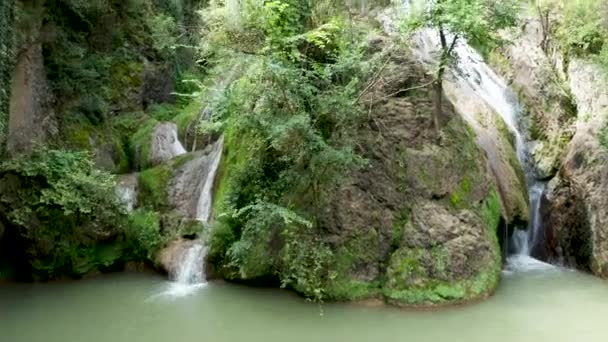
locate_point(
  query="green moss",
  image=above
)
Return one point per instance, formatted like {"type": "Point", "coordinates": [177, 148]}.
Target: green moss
{"type": "Point", "coordinates": [187, 117]}
{"type": "Point", "coordinates": [399, 225]}
{"type": "Point", "coordinates": [79, 137]}
{"type": "Point", "coordinates": [491, 211]}
{"type": "Point", "coordinates": [153, 186]}
{"type": "Point", "coordinates": [420, 291]}
{"type": "Point", "coordinates": [141, 143]}
{"type": "Point", "coordinates": [357, 251]}
{"type": "Point", "coordinates": [460, 195]}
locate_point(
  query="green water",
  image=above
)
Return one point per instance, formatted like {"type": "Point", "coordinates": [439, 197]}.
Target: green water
{"type": "Point", "coordinates": [533, 306]}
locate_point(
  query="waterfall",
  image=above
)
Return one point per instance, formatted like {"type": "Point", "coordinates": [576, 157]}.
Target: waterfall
{"type": "Point", "coordinates": [205, 201]}
{"type": "Point", "coordinates": [190, 271]}
{"type": "Point", "coordinates": [191, 268]}
{"type": "Point", "coordinates": [473, 75]}
{"type": "Point", "coordinates": [126, 191]}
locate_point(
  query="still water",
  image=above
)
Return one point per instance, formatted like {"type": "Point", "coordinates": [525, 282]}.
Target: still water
{"type": "Point", "coordinates": [539, 305]}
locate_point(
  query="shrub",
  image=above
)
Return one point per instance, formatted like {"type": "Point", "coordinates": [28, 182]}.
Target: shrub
{"type": "Point", "coordinates": [62, 206]}
{"type": "Point", "coordinates": [143, 234]}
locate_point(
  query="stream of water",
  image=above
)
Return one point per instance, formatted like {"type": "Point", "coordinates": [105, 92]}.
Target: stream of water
{"type": "Point", "coordinates": [190, 273]}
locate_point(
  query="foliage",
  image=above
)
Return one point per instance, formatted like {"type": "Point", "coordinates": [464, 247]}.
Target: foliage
{"type": "Point", "coordinates": [290, 120]}
{"type": "Point", "coordinates": [104, 55]}
{"type": "Point", "coordinates": [59, 202]}
{"type": "Point", "coordinates": [583, 29]}
{"type": "Point", "coordinates": [476, 21]}
{"type": "Point", "coordinates": [143, 234]}
{"type": "Point", "coordinates": [7, 9]}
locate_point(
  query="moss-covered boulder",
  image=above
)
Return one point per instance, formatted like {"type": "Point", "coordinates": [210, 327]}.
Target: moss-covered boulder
{"type": "Point", "coordinates": [416, 227]}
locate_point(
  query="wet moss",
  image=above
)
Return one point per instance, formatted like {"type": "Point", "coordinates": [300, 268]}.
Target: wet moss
{"type": "Point", "coordinates": [153, 187]}
{"type": "Point", "coordinates": [359, 251]}
{"type": "Point", "coordinates": [140, 144]}
{"type": "Point", "coordinates": [459, 197]}
{"type": "Point", "coordinates": [407, 285]}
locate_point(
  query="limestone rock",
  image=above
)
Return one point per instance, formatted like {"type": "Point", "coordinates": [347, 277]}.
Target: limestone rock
{"type": "Point", "coordinates": [165, 144]}
{"type": "Point", "coordinates": [127, 189]}
{"type": "Point", "coordinates": [538, 76]}
{"type": "Point", "coordinates": [577, 217]}
{"type": "Point", "coordinates": [31, 117]}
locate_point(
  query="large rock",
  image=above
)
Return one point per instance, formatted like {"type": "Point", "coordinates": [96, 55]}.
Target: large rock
{"type": "Point", "coordinates": [155, 143]}
{"type": "Point", "coordinates": [418, 226]}
{"type": "Point", "coordinates": [31, 117]}
{"type": "Point", "coordinates": [190, 190]}
{"type": "Point", "coordinates": [424, 215]}
{"type": "Point", "coordinates": [165, 144]}
{"type": "Point", "coordinates": [577, 213]}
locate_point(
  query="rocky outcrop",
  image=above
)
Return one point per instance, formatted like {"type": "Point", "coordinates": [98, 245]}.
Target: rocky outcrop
{"type": "Point", "coordinates": [577, 213]}
{"type": "Point", "coordinates": [423, 216]}
{"type": "Point", "coordinates": [155, 143]}
{"type": "Point", "coordinates": [165, 144]}
{"type": "Point", "coordinates": [535, 69]}
{"type": "Point", "coordinates": [31, 117]}
{"type": "Point", "coordinates": [478, 97]}
{"type": "Point", "coordinates": [417, 226]}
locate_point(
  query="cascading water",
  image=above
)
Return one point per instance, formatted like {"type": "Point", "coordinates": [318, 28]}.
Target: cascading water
{"type": "Point", "coordinates": [474, 75]}
{"type": "Point", "coordinates": [190, 271]}
{"type": "Point", "coordinates": [203, 211]}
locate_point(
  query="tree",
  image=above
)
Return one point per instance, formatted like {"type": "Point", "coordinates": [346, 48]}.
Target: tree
{"type": "Point", "coordinates": [474, 21]}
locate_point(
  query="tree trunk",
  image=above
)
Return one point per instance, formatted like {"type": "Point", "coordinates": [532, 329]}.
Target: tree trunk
{"type": "Point", "coordinates": [437, 103]}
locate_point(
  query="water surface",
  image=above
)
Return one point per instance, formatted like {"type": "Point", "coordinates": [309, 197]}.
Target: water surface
{"type": "Point", "coordinates": [551, 305]}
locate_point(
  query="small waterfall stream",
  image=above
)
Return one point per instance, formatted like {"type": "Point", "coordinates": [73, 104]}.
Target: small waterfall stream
{"type": "Point", "coordinates": [190, 270]}
{"type": "Point", "coordinates": [473, 75]}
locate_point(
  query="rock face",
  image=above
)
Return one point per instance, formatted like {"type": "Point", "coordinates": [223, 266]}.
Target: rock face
{"type": "Point", "coordinates": [577, 212]}
{"type": "Point", "coordinates": [127, 189]}
{"type": "Point", "coordinates": [165, 144]}
{"type": "Point", "coordinates": [477, 96]}
{"type": "Point", "coordinates": [418, 226]}
{"type": "Point", "coordinates": [424, 215]}
{"type": "Point", "coordinates": [31, 117]}
{"type": "Point", "coordinates": [169, 258]}
{"type": "Point", "coordinates": [193, 181]}
{"type": "Point", "coordinates": [538, 76]}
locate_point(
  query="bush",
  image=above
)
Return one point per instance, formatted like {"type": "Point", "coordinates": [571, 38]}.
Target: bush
{"type": "Point", "coordinates": [143, 234]}
{"type": "Point", "coordinates": [289, 123]}
{"type": "Point", "coordinates": [583, 31]}
{"type": "Point", "coordinates": [62, 206]}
